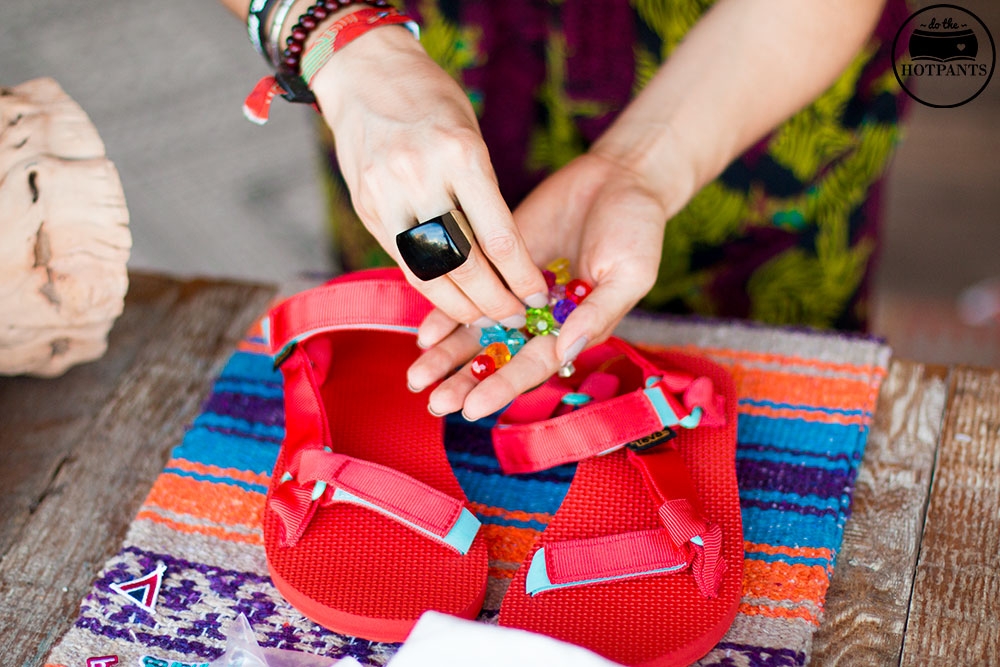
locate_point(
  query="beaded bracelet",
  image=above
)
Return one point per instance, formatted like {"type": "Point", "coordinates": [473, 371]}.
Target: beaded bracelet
{"type": "Point", "coordinates": [501, 343]}
{"type": "Point", "coordinates": [289, 81]}
{"type": "Point", "coordinates": [313, 16]}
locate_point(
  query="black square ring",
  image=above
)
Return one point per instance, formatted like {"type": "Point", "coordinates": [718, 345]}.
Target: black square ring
{"type": "Point", "coordinates": [436, 246]}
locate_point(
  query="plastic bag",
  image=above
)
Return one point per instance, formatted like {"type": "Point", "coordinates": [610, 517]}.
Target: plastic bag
{"type": "Point", "coordinates": [242, 650]}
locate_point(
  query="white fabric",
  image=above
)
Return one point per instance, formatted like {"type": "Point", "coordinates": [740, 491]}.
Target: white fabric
{"type": "Point", "coordinates": [440, 640]}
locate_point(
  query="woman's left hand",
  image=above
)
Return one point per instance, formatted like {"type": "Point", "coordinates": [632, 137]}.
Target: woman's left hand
{"type": "Point", "coordinates": [606, 219]}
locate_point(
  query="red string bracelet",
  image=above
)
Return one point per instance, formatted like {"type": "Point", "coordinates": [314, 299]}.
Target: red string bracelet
{"type": "Point", "coordinates": [287, 81]}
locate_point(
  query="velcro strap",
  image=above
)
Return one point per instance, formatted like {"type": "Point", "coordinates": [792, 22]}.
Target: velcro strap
{"type": "Point", "coordinates": [604, 559]}
{"type": "Point", "coordinates": [670, 486]}
{"type": "Point", "coordinates": [398, 494]}
{"type": "Point", "coordinates": [378, 299]}
{"type": "Point", "coordinates": [526, 439]}
{"type": "Point", "coordinates": [318, 477]}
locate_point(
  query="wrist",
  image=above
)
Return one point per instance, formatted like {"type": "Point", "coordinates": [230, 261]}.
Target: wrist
{"type": "Point", "coordinates": [391, 49]}
{"type": "Point", "coordinates": [653, 154]}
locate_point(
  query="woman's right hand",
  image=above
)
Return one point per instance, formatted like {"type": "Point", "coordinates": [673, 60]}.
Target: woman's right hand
{"type": "Point", "coordinates": [410, 149]}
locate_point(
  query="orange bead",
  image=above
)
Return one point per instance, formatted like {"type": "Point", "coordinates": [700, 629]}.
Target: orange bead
{"type": "Point", "coordinates": [498, 352]}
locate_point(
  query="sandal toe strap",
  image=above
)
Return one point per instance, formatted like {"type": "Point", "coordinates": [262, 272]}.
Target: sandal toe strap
{"type": "Point", "coordinates": [319, 478]}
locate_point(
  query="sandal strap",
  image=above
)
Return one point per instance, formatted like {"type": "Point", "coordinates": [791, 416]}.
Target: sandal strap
{"type": "Point", "coordinates": [527, 440]}
{"type": "Point", "coordinates": [318, 477]}
{"type": "Point", "coordinates": [375, 300]}
{"type": "Point", "coordinates": [670, 487]}
{"type": "Point", "coordinates": [315, 475]}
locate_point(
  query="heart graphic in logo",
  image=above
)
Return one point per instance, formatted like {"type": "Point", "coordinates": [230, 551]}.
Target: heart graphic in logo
{"type": "Point", "coordinates": [960, 47]}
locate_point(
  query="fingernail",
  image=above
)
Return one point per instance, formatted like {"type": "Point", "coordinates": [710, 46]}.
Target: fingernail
{"type": "Point", "coordinates": [412, 388]}
{"type": "Point", "coordinates": [467, 417]}
{"type": "Point", "coordinates": [537, 300]}
{"type": "Point", "coordinates": [431, 410]}
{"type": "Point", "coordinates": [575, 349]}
{"type": "Point", "coordinates": [484, 323]}
{"type": "Point", "coordinates": [422, 345]}
{"type": "Point", "coordinates": [514, 321]}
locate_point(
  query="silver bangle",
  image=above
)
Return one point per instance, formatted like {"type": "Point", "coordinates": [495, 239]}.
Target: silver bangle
{"type": "Point", "coordinates": [277, 24]}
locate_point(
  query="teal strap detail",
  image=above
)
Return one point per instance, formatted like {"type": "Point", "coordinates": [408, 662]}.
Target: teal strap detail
{"type": "Point", "coordinates": [693, 419]}
{"type": "Point", "coordinates": [537, 581]}
{"type": "Point", "coordinates": [660, 405]}
{"type": "Point", "coordinates": [459, 538]}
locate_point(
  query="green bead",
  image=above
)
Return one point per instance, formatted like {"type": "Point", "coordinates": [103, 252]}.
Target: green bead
{"type": "Point", "coordinates": [540, 321]}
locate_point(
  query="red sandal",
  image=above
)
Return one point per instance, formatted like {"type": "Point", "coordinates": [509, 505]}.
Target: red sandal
{"type": "Point", "coordinates": [365, 526]}
{"type": "Point", "coordinates": [643, 561]}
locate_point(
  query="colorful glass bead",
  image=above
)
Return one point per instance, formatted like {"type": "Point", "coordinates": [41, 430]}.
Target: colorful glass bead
{"type": "Point", "coordinates": [577, 290]}
{"type": "Point", "coordinates": [556, 293]}
{"type": "Point", "coordinates": [560, 267]}
{"type": "Point", "coordinates": [561, 310]}
{"type": "Point", "coordinates": [498, 352]}
{"type": "Point", "coordinates": [550, 278]}
{"type": "Point", "coordinates": [494, 334]}
{"type": "Point", "coordinates": [483, 366]}
{"type": "Point", "coordinates": [515, 341]}
{"type": "Point", "coordinates": [540, 321]}
{"type": "Point", "coordinates": [576, 399]}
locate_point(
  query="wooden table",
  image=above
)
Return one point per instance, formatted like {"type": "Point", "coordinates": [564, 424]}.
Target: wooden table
{"type": "Point", "coordinates": [917, 580]}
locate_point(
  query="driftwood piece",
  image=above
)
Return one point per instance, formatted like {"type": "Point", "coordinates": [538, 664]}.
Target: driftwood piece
{"type": "Point", "coordinates": [64, 237]}
{"type": "Point", "coordinates": [79, 453]}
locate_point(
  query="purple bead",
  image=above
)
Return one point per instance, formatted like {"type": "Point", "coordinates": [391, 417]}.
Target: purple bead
{"type": "Point", "coordinates": [562, 309]}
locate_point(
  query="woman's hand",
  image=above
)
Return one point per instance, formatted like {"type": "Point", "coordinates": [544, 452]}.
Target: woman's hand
{"type": "Point", "coordinates": [606, 219]}
{"type": "Point", "coordinates": [410, 149]}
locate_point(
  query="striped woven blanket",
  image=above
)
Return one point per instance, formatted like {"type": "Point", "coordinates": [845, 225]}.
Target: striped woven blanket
{"type": "Point", "coordinates": [805, 406]}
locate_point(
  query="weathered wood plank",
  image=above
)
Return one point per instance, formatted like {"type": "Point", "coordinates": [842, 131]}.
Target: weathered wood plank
{"type": "Point", "coordinates": [41, 419]}
{"type": "Point", "coordinates": [868, 600]}
{"type": "Point", "coordinates": [955, 612]}
{"type": "Point", "coordinates": [82, 517]}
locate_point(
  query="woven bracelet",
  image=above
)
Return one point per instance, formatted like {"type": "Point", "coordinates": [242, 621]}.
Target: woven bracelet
{"type": "Point", "coordinates": [293, 86]}
{"type": "Point", "coordinates": [256, 20]}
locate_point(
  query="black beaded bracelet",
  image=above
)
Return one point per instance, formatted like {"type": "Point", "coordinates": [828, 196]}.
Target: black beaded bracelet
{"type": "Point", "coordinates": [291, 57]}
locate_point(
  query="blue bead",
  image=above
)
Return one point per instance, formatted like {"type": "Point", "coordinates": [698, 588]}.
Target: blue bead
{"type": "Point", "coordinates": [515, 340]}
{"type": "Point", "coordinates": [494, 334]}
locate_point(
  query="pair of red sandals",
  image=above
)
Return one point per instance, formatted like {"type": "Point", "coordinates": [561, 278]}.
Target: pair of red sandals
{"type": "Point", "coordinates": [366, 526]}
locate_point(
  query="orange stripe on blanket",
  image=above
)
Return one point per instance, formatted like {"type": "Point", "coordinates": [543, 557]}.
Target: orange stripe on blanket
{"type": "Point", "coordinates": [783, 387]}
{"type": "Point", "coordinates": [253, 347]}
{"type": "Point", "coordinates": [508, 543]}
{"type": "Point", "coordinates": [217, 503]}
{"type": "Point", "coordinates": [772, 358]}
{"type": "Point", "coordinates": [804, 415]}
{"type": "Point", "coordinates": [212, 531]}
{"type": "Point", "coordinates": [785, 581]}
{"type": "Point", "coordinates": [794, 552]}
{"type": "Point", "coordinates": [516, 515]}
{"type": "Point", "coordinates": [779, 612]}
{"type": "Point", "coordinates": [216, 471]}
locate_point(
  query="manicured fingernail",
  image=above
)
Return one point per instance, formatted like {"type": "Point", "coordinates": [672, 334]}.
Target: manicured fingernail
{"type": "Point", "coordinates": [514, 321]}
{"type": "Point", "coordinates": [484, 323]}
{"type": "Point", "coordinates": [467, 417]}
{"type": "Point", "coordinates": [575, 349]}
{"type": "Point", "coordinates": [431, 410]}
{"type": "Point", "coordinates": [422, 345]}
{"type": "Point", "coordinates": [537, 300]}
{"type": "Point", "coordinates": [412, 388]}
